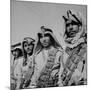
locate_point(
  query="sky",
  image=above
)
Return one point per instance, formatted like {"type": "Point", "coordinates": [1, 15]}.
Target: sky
{"type": "Point", "coordinates": [27, 17]}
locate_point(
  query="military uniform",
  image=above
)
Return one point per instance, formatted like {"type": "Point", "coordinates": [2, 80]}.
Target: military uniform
{"type": "Point", "coordinates": [46, 78]}
{"type": "Point", "coordinates": [75, 59]}
{"type": "Point", "coordinates": [74, 72]}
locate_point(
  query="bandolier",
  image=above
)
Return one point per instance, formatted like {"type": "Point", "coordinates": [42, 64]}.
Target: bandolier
{"type": "Point", "coordinates": [76, 56]}
{"type": "Point", "coordinates": [45, 79]}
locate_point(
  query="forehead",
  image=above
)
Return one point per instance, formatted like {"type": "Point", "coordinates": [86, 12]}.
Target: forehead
{"type": "Point", "coordinates": [71, 22]}
{"type": "Point", "coordinates": [14, 51]}
{"type": "Point", "coordinates": [68, 22]}
{"type": "Point", "coordinates": [27, 43]}
{"type": "Point", "coordinates": [44, 35]}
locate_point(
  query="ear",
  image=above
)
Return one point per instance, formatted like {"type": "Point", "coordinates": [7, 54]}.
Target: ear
{"type": "Point", "coordinates": [65, 19]}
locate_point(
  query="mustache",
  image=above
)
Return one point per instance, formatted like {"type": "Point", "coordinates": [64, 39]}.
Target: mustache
{"type": "Point", "coordinates": [72, 32]}
{"type": "Point", "coordinates": [44, 43]}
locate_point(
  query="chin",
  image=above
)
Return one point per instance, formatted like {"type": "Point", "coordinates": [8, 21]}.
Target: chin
{"type": "Point", "coordinates": [29, 52]}
{"type": "Point", "coordinates": [45, 45]}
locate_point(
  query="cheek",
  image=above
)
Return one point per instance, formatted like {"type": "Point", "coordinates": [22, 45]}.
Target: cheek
{"type": "Point", "coordinates": [31, 47]}
{"type": "Point", "coordinates": [41, 40]}
{"type": "Point", "coordinates": [68, 29]}
{"type": "Point", "coordinates": [75, 27]}
{"type": "Point", "coordinates": [14, 53]}
{"type": "Point", "coordinates": [48, 40]}
{"type": "Point", "coordinates": [25, 48]}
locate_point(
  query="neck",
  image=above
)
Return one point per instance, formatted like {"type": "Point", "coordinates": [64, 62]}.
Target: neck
{"type": "Point", "coordinates": [28, 55]}
{"type": "Point", "coordinates": [47, 48]}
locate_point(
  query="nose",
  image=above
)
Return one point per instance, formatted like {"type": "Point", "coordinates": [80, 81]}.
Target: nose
{"type": "Point", "coordinates": [44, 40]}
{"type": "Point", "coordinates": [28, 47]}
{"type": "Point", "coordinates": [70, 27]}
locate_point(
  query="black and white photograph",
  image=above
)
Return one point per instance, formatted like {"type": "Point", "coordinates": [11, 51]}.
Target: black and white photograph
{"type": "Point", "coordinates": [48, 45]}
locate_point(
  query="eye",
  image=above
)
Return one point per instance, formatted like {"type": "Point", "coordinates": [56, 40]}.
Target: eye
{"type": "Point", "coordinates": [40, 35]}
{"type": "Point", "coordinates": [74, 23]}
{"type": "Point", "coordinates": [25, 45]}
{"type": "Point", "coordinates": [30, 45]}
{"type": "Point", "coordinates": [67, 24]}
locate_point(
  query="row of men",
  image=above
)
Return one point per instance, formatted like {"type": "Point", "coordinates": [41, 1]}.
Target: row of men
{"type": "Point", "coordinates": [40, 63]}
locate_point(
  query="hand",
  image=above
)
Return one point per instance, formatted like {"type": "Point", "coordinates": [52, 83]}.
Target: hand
{"type": "Point", "coordinates": [54, 72]}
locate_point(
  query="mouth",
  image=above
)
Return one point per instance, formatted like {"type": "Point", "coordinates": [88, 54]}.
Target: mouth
{"type": "Point", "coordinates": [45, 44]}
{"type": "Point", "coordinates": [72, 33]}
{"type": "Point", "coordinates": [29, 50]}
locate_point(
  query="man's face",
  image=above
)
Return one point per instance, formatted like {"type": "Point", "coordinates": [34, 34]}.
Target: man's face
{"type": "Point", "coordinates": [15, 53]}
{"type": "Point", "coordinates": [45, 40]}
{"type": "Point", "coordinates": [28, 47]}
{"type": "Point", "coordinates": [72, 28]}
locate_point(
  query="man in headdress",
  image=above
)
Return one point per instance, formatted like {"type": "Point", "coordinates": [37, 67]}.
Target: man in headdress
{"type": "Point", "coordinates": [16, 64]}
{"type": "Point", "coordinates": [75, 37]}
{"type": "Point", "coordinates": [48, 58]}
{"type": "Point", "coordinates": [16, 50]}
{"type": "Point", "coordinates": [28, 45]}
{"type": "Point", "coordinates": [24, 66]}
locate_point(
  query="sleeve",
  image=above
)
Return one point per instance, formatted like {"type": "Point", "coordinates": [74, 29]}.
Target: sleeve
{"type": "Point", "coordinates": [58, 63]}
{"type": "Point", "coordinates": [36, 72]}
